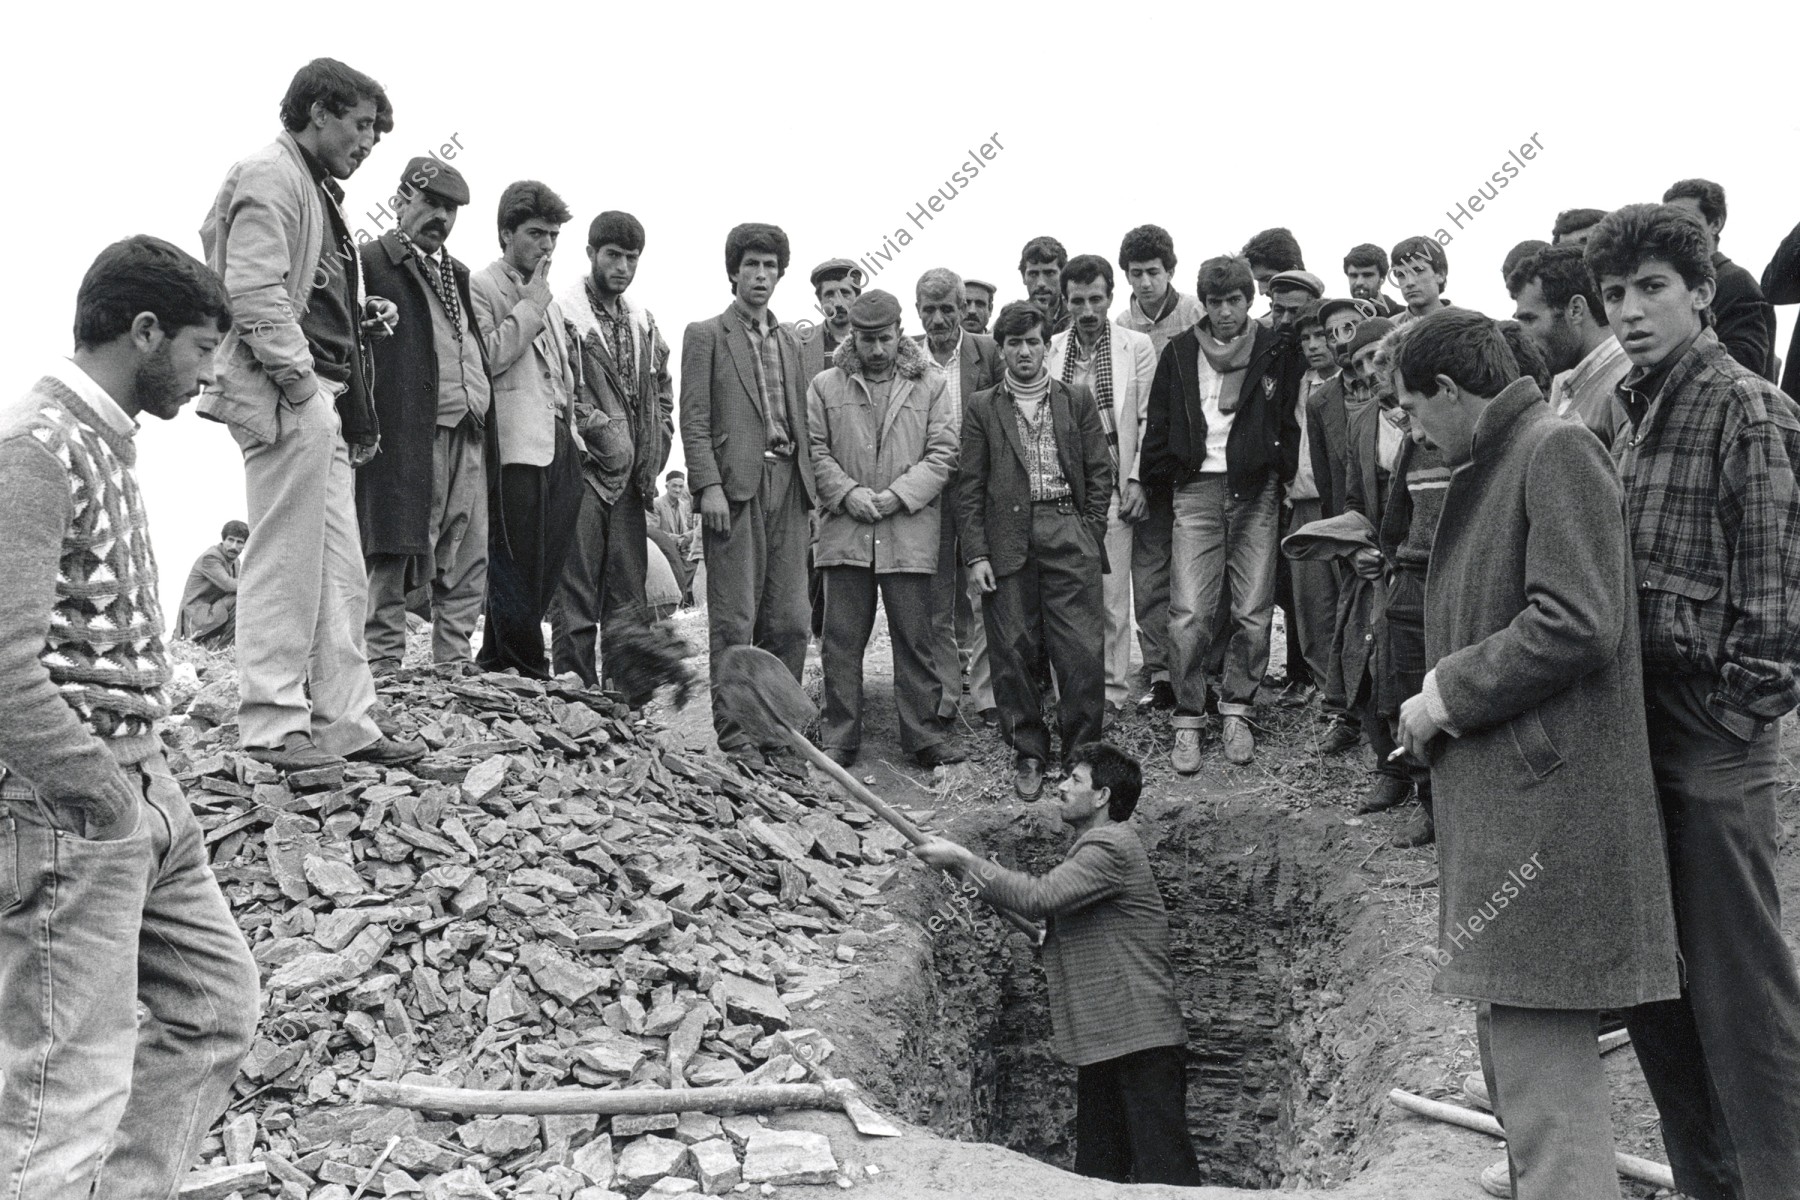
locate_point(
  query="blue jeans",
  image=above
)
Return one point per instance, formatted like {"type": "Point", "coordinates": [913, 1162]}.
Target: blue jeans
{"type": "Point", "coordinates": [89, 930]}
{"type": "Point", "coordinates": [1216, 534]}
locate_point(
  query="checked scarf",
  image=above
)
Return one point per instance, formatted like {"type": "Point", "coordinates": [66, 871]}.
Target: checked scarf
{"type": "Point", "coordinates": [442, 281]}
{"type": "Point", "coordinates": [1103, 386]}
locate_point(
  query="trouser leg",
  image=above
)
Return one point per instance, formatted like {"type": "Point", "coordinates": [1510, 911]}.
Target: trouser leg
{"type": "Point", "coordinates": [1551, 1096]}
{"type": "Point", "coordinates": [972, 636]}
{"type": "Point", "coordinates": [1315, 587]}
{"type": "Point", "coordinates": [1072, 609]}
{"type": "Point", "coordinates": [1116, 597]}
{"type": "Point", "coordinates": [1723, 1060]}
{"type": "Point", "coordinates": [384, 625]}
{"type": "Point", "coordinates": [623, 579]}
{"type": "Point", "coordinates": [460, 532]}
{"type": "Point", "coordinates": [1406, 642]}
{"type": "Point", "coordinates": [1250, 557]}
{"type": "Point", "coordinates": [1153, 1091]}
{"type": "Point", "coordinates": [575, 612]}
{"type": "Point", "coordinates": [911, 632]}
{"type": "Point", "coordinates": [1197, 572]}
{"type": "Point", "coordinates": [946, 655]}
{"type": "Point", "coordinates": [1151, 546]}
{"type": "Point", "coordinates": [849, 619]}
{"type": "Point", "coordinates": [1102, 1139]}
{"type": "Point", "coordinates": [783, 613]}
{"type": "Point", "coordinates": [1015, 636]}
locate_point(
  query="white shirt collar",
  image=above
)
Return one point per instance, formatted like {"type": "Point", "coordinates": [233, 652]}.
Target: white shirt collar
{"type": "Point", "coordinates": [954, 363]}
{"type": "Point", "coordinates": [93, 395]}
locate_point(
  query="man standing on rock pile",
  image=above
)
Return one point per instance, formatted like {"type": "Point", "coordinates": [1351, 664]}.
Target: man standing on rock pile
{"type": "Point", "coordinates": [1112, 989]}
{"type": "Point", "coordinates": [108, 903]}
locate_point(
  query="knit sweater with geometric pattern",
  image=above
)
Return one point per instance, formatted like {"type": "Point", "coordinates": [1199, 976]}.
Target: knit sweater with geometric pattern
{"type": "Point", "coordinates": [83, 666]}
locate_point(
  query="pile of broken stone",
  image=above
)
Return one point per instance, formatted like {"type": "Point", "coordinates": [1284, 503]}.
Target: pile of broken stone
{"type": "Point", "coordinates": [549, 899]}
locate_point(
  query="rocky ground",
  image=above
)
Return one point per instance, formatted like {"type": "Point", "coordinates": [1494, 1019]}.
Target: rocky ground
{"type": "Point", "coordinates": [561, 895]}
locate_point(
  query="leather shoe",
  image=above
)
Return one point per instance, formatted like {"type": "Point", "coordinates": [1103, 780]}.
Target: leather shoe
{"type": "Point", "coordinates": [386, 752]}
{"type": "Point", "coordinates": [296, 753]}
{"type": "Point", "coordinates": [1389, 791]}
{"type": "Point", "coordinates": [1339, 738]}
{"type": "Point", "coordinates": [1028, 778]}
{"type": "Point", "coordinates": [940, 754]}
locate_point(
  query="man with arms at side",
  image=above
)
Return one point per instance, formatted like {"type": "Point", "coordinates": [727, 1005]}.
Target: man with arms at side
{"type": "Point", "coordinates": [966, 363]}
{"type": "Point", "coordinates": [110, 907]}
{"type": "Point", "coordinates": [208, 615]}
{"type": "Point", "coordinates": [1116, 366]}
{"type": "Point", "coordinates": [1532, 720]}
{"type": "Point", "coordinates": [1036, 484]}
{"type": "Point", "coordinates": [1160, 312]}
{"type": "Point", "coordinates": [883, 444]}
{"type": "Point", "coordinates": [293, 388]}
{"type": "Point", "coordinates": [1558, 306]}
{"type": "Point", "coordinates": [749, 459]}
{"type": "Point", "coordinates": [1744, 321]}
{"type": "Point", "coordinates": [624, 403]}
{"type": "Point", "coordinates": [1040, 270]}
{"type": "Point", "coordinates": [536, 493]}
{"type": "Point", "coordinates": [1113, 1005]}
{"type": "Point", "coordinates": [1712, 508]}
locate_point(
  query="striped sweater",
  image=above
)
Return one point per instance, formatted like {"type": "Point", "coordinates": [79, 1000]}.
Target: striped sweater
{"type": "Point", "coordinates": [83, 666]}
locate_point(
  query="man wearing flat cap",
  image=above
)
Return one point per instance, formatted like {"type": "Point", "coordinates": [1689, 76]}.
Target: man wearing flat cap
{"type": "Point", "coordinates": [836, 284]}
{"type": "Point", "coordinates": [422, 503]}
{"type": "Point", "coordinates": [884, 442]}
{"type": "Point", "coordinates": [978, 305]}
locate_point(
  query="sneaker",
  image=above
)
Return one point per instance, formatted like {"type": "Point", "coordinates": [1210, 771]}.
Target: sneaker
{"type": "Point", "coordinates": [1496, 1180]}
{"type": "Point", "coordinates": [1475, 1088]}
{"type": "Point", "coordinates": [940, 754]}
{"type": "Point", "coordinates": [1160, 697]}
{"type": "Point", "coordinates": [1296, 694]}
{"type": "Point", "coordinates": [386, 752]}
{"type": "Point", "coordinates": [1028, 777]}
{"type": "Point", "coordinates": [1240, 743]}
{"type": "Point", "coordinates": [1339, 738]}
{"type": "Point", "coordinates": [990, 717]}
{"type": "Point", "coordinates": [296, 753]}
{"type": "Point", "coordinates": [1420, 831]}
{"type": "Point", "coordinates": [1389, 791]}
{"type": "Point", "coordinates": [1185, 757]}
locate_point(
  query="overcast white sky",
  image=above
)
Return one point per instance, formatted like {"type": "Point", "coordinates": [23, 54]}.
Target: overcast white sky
{"type": "Point", "coordinates": [1346, 122]}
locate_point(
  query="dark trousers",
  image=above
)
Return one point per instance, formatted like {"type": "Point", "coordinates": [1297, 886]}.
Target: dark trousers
{"type": "Point", "coordinates": [1406, 655]}
{"type": "Point", "coordinates": [756, 581]}
{"type": "Point", "coordinates": [1131, 1119]}
{"type": "Point", "coordinates": [1543, 1073]}
{"type": "Point", "coordinates": [1051, 603]}
{"type": "Point", "coordinates": [1152, 541]}
{"type": "Point", "coordinates": [602, 588]}
{"type": "Point", "coordinates": [849, 619]}
{"type": "Point", "coordinates": [1723, 1060]}
{"type": "Point", "coordinates": [532, 514]}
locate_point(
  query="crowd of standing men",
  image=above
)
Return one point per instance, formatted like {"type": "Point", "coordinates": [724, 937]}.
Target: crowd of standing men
{"type": "Point", "coordinates": [1545, 566]}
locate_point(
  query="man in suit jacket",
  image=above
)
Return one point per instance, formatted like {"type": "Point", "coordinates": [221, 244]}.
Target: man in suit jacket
{"type": "Point", "coordinates": [292, 389]}
{"type": "Point", "coordinates": [1037, 480]}
{"type": "Point", "coordinates": [422, 504]}
{"type": "Point", "coordinates": [537, 470]}
{"type": "Point", "coordinates": [624, 401]}
{"type": "Point", "coordinates": [1116, 365]}
{"type": "Point", "coordinates": [744, 432]}
{"type": "Point", "coordinates": [967, 363]}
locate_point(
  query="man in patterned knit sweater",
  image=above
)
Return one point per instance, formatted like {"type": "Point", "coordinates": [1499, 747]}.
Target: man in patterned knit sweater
{"type": "Point", "coordinates": [107, 901]}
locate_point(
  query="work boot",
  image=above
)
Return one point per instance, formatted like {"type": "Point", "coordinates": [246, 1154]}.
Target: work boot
{"type": "Point", "coordinates": [1496, 1179]}
{"type": "Point", "coordinates": [384, 720]}
{"type": "Point", "coordinates": [1185, 757]}
{"type": "Point", "coordinates": [296, 753]}
{"type": "Point", "coordinates": [1420, 831]}
{"type": "Point", "coordinates": [1239, 742]}
{"type": "Point", "coordinates": [386, 752]}
{"type": "Point", "coordinates": [1028, 777]}
{"type": "Point", "coordinates": [1389, 791]}
{"type": "Point", "coordinates": [1339, 738]}
{"type": "Point", "coordinates": [1475, 1088]}
{"type": "Point", "coordinates": [1160, 697]}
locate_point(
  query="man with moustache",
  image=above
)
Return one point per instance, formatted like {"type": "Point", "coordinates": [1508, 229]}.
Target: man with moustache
{"type": "Point", "coordinates": [1036, 485]}
{"type": "Point", "coordinates": [423, 503]}
{"type": "Point", "coordinates": [536, 471]}
{"type": "Point", "coordinates": [1558, 306]}
{"type": "Point", "coordinates": [836, 284]}
{"type": "Point", "coordinates": [293, 388]}
{"type": "Point", "coordinates": [1365, 270]}
{"type": "Point", "coordinates": [966, 363]}
{"type": "Point", "coordinates": [749, 460]}
{"type": "Point", "coordinates": [978, 295]}
{"type": "Point", "coordinates": [624, 407]}
{"type": "Point", "coordinates": [884, 442]}
{"type": "Point", "coordinates": [128, 996]}
{"type": "Point", "coordinates": [1040, 270]}
{"type": "Point", "coordinates": [208, 615]}
{"type": "Point", "coordinates": [1116, 366]}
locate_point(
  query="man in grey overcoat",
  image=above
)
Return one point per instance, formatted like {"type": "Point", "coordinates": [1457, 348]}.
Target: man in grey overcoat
{"type": "Point", "coordinates": [1555, 886]}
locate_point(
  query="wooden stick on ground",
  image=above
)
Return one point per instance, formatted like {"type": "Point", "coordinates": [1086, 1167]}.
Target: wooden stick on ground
{"type": "Point", "coordinates": [1630, 1165]}
{"type": "Point", "coordinates": [636, 1101]}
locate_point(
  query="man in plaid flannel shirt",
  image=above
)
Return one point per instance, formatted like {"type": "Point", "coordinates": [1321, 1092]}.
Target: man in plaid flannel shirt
{"type": "Point", "coordinates": [1714, 511]}
{"type": "Point", "coordinates": [1113, 1006]}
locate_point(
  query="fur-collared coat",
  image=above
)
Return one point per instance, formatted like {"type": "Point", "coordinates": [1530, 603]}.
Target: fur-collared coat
{"type": "Point", "coordinates": [910, 449]}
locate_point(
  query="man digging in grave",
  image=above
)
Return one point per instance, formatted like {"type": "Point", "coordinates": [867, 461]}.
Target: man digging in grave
{"type": "Point", "coordinates": [1112, 988]}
